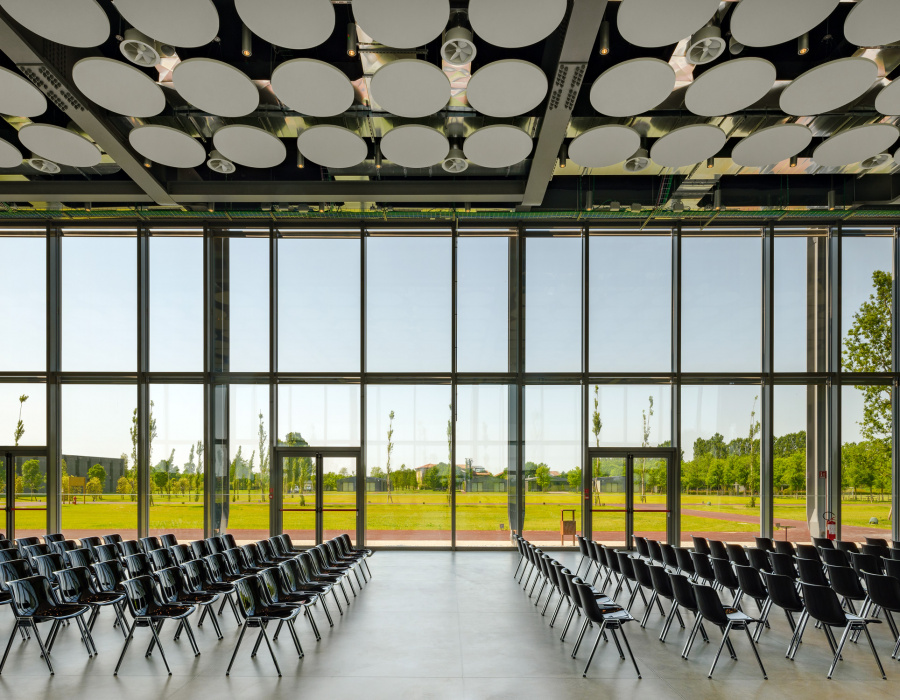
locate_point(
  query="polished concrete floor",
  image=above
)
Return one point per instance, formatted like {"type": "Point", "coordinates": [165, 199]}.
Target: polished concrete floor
{"type": "Point", "coordinates": [442, 625]}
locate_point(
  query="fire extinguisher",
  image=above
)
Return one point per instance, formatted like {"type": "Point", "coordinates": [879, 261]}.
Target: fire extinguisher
{"type": "Point", "coordinates": [830, 526]}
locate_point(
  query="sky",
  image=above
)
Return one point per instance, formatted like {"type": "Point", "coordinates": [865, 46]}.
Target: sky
{"type": "Point", "coordinates": [409, 330]}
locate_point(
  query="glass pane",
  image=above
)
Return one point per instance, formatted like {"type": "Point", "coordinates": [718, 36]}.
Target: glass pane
{"type": "Point", "coordinates": [865, 462]}
{"type": "Point", "coordinates": [552, 471]}
{"type": "Point", "coordinates": [248, 468]}
{"type": "Point", "coordinates": [23, 414]}
{"type": "Point", "coordinates": [866, 281]}
{"type": "Point", "coordinates": [609, 491]}
{"type": "Point", "coordinates": [553, 304]}
{"type": "Point", "coordinates": [318, 304]}
{"type": "Point", "coordinates": [176, 461]}
{"type": "Point", "coordinates": [482, 306]}
{"type": "Point", "coordinates": [630, 415]}
{"type": "Point", "coordinates": [31, 496]}
{"type": "Point", "coordinates": [319, 414]}
{"type": "Point", "coordinates": [99, 449]}
{"type": "Point", "coordinates": [23, 304]}
{"type": "Point", "coordinates": [176, 304]}
{"type": "Point", "coordinates": [630, 303]}
{"type": "Point", "coordinates": [482, 446]}
{"type": "Point", "coordinates": [407, 457]}
{"type": "Point", "coordinates": [650, 481]}
{"type": "Point", "coordinates": [800, 303]}
{"type": "Point", "coordinates": [720, 463]}
{"type": "Point", "coordinates": [99, 304]}
{"type": "Point", "coordinates": [339, 497]}
{"type": "Point", "coordinates": [409, 304]}
{"type": "Point", "coordinates": [721, 305]}
{"type": "Point", "coordinates": [299, 499]}
{"type": "Point", "coordinates": [248, 304]}
{"type": "Point", "coordinates": [795, 506]}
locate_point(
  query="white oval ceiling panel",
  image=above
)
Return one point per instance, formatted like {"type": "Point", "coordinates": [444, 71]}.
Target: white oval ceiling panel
{"type": "Point", "coordinates": [687, 145]}
{"type": "Point", "coordinates": [415, 146]}
{"type": "Point", "coordinates": [855, 145]}
{"type": "Point", "coordinates": [873, 23]}
{"type": "Point", "coordinates": [163, 144]}
{"type": "Point", "coordinates": [10, 156]}
{"type": "Point", "coordinates": [730, 87]}
{"type": "Point", "coordinates": [507, 88]}
{"type": "Point", "coordinates": [497, 146]}
{"type": "Point", "coordinates": [332, 146]}
{"type": "Point", "coordinates": [59, 145]}
{"type": "Point", "coordinates": [515, 23]}
{"type": "Point", "coordinates": [410, 88]}
{"type": "Point", "coordinates": [187, 23]}
{"type": "Point", "coordinates": [604, 145]}
{"type": "Point", "coordinates": [293, 24]}
{"type": "Point", "coordinates": [18, 97]}
{"type": "Point", "coordinates": [632, 87]}
{"type": "Point", "coordinates": [313, 87]}
{"type": "Point", "coordinates": [772, 22]}
{"type": "Point", "coordinates": [651, 23]}
{"type": "Point", "coordinates": [118, 87]}
{"type": "Point", "coordinates": [888, 100]}
{"type": "Point", "coordinates": [829, 86]}
{"type": "Point", "coordinates": [250, 146]}
{"type": "Point", "coordinates": [80, 23]}
{"type": "Point", "coordinates": [403, 24]}
{"type": "Point", "coordinates": [771, 145]}
{"type": "Point", "coordinates": [215, 87]}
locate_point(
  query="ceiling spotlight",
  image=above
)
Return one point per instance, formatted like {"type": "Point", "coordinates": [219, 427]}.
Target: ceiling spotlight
{"type": "Point", "coordinates": [563, 155]}
{"type": "Point", "coordinates": [87, 206]}
{"type": "Point", "coordinates": [321, 207]}
{"type": "Point", "coordinates": [832, 197]}
{"type": "Point", "coordinates": [614, 206]}
{"type": "Point", "coordinates": [636, 206]}
{"type": "Point", "coordinates": [377, 156]}
{"type": "Point", "coordinates": [717, 200]}
{"type": "Point", "coordinates": [589, 200]}
{"type": "Point", "coordinates": [734, 46]}
{"type": "Point", "coordinates": [710, 162]}
{"type": "Point", "coordinates": [793, 162]}
{"type": "Point", "coordinates": [468, 207]}
{"type": "Point", "coordinates": [301, 161]}
{"type": "Point", "coordinates": [803, 44]}
{"type": "Point", "coordinates": [148, 163]}
{"type": "Point", "coordinates": [352, 40]}
{"type": "Point", "coordinates": [246, 41]}
{"type": "Point", "coordinates": [604, 38]}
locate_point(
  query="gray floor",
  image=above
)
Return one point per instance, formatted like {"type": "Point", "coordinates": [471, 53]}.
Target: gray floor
{"type": "Point", "coordinates": [443, 625]}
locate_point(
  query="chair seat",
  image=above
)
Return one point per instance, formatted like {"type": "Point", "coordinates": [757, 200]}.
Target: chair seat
{"type": "Point", "coordinates": [297, 599]}
{"type": "Point", "coordinates": [739, 616]}
{"type": "Point", "coordinates": [61, 612]}
{"type": "Point", "coordinates": [102, 598]}
{"type": "Point", "coordinates": [198, 598]}
{"type": "Point", "coordinates": [278, 612]}
{"type": "Point", "coordinates": [217, 588]}
{"type": "Point", "coordinates": [169, 612]}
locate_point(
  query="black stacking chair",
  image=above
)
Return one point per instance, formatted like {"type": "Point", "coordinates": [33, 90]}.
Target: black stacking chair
{"type": "Point", "coordinates": [10, 554]}
{"type": "Point", "coordinates": [875, 550]}
{"type": "Point", "coordinates": [172, 590]}
{"type": "Point", "coordinates": [229, 541]}
{"type": "Point", "coordinates": [823, 606]}
{"type": "Point", "coordinates": [892, 567]}
{"type": "Point", "coordinates": [128, 548]}
{"type": "Point", "coordinates": [237, 560]}
{"type": "Point", "coordinates": [90, 543]}
{"type": "Point", "coordinates": [346, 546]}
{"type": "Point", "coordinates": [822, 543]}
{"type": "Point", "coordinates": [811, 571]}
{"type": "Point", "coordinates": [783, 565]}
{"type": "Point", "coordinates": [276, 593]}
{"type": "Point", "coordinates": [845, 582]}
{"type": "Point", "coordinates": [884, 592]}
{"type": "Point", "coordinates": [669, 557]}
{"type": "Point", "coordinates": [585, 554]}
{"type": "Point", "coordinates": [752, 586]}
{"type": "Point", "coordinates": [640, 546]}
{"type": "Point", "coordinates": [106, 552]}
{"type": "Point", "coordinates": [701, 546]}
{"type": "Point", "coordinates": [613, 620]}
{"type": "Point", "coordinates": [23, 542]}
{"type": "Point", "coordinates": [79, 557]}
{"type": "Point", "coordinates": [683, 589]}
{"type": "Point", "coordinates": [255, 558]}
{"type": "Point", "coordinates": [168, 541]}
{"type": "Point", "coordinates": [555, 568]}
{"type": "Point", "coordinates": [703, 570]}
{"type": "Point", "coordinates": [344, 571]}
{"type": "Point", "coordinates": [627, 568]}
{"type": "Point", "coordinates": [835, 557]}
{"type": "Point", "coordinates": [149, 544]}
{"type": "Point", "coordinates": [685, 562]}
{"type": "Point", "coordinates": [112, 539]}
{"type": "Point", "coordinates": [62, 546]}
{"type": "Point", "coordinates": [47, 565]}
{"type": "Point", "coordinates": [783, 593]}
{"type": "Point", "coordinates": [110, 575]}
{"type": "Point", "coordinates": [717, 549]}
{"type": "Point", "coordinates": [644, 580]}
{"type": "Point", "coordinates": [14, 569]}
{"type": "Point", "coordinates": [785, 547]}
{"type": "Point", "coordinates": [569, 580]}
{"type": "Point", "coordinates": [268, 552]}
{"type": "Point", "coordinates": [726, 619]}
{"type": "Point", "coordinates": [142, 596]}
{"type": "Point", "coordinates": [765, 543]}
{"type": "Point", "coordinates": [182, 553]}
{"type": "Point", "coordinates": [138, 565]}
{"type": "Point", "coordinates": [866, 563]}
{"type": "Point", "coordinates": [312, 575]}
{"type": "Point", "coordinates": [807, 551]}
{"type": "Point", "coordinates": [161, 559]}
{"type": "Point", "coordinates": [847, 546]}
{"type": "Point", "coordinates": [327, 562]}
{"type": "Point", "coordinates": [258, 614]}
{"type": "Point", "coordinates": [35, 550]}
{"type": "Point", "coordinates": [598, 556]}
{"type": "Point", "coordinates": [54, 537]}
{"type": "Point", "coordinates": [725, 578]}
{"type": "Point", "coordinates": [544, 564]}
{"type": "Point", "coordinates": [216, 544]}
{"type": "Point", "coordinates": [75, 586]}
{"type": "Point", "coordinates": [32, 604]}
{"type": "Point", "coordinates": [296, 582]}
{"type": "Point", "coordinates": [877, 541]}
{"type": "Point", "coordinates": [198, 580]}
{"type": "Point", "coordinates": [220, 569]}
{"type": "Point", "coordinates": [737, 555]}
{"type": "Point", "coordinates": [662, 588]}
{"type": "Point", "coordinates": [759, 559]}
{"type": "Point", "coordinates": [200, 549]}
{"type": "Point", "coordinates": [612, 561]}
{"type": "Point", "coordinates": [655, 551]}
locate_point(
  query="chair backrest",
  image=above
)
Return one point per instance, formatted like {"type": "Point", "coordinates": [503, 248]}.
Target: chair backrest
{"type": "Point", "coordinates": [106, 552]}
{"type": "Point", "coordinates": [195, 574]}
{"type": "Point", "coordinates": [892, 567]}
{"type": "Point", "coordinates": [737, 555]}
{"type": "Point", "coordinates": [128, 548]}
{"type": "Point", "coordinates": [48, 564]}
{"type": "Point", "coordinates": [750, 582]}
{"type": "Point", "coordinates": [63, 546]}
{"type": "Point", "coordinates": [724, 573]}
{"type": "Point", "coordinates": [588, 601]}
{"type": "Point", "coordinates": [90, 542]}
{"type": "Point", "coordinates": [237, 560]}
{"type": "Point", "coordinates": [171, 584]}
{"type": "Point", "coordinates": [161, 559]}
{"type": "Point", "coordinates": [73, 583]}
{"type": "Point", "coordinates": [669, 558]}
{"type": "Point", "coordinates": [685, 563]}
{"type": "Point", "coordinates": [709, 604]}
{"type": "Point", "coordinates": [290, 572]}
{"type": "Point", "coordinates": [701, 546]}
{"type": "Point", "coordinates": [702, 567]}
{"type": "Point", "coordinates": [272, 585]}
{"type": "Point", "coordinates": [865, 563]}
{"type": "Point", "coordinates": [229, 541]}
{"type": "Point", "coordinates": [54, 537]}
{"type": "Point", "coordinates": [80, 557]}
{"type": "Point", "coordinates": [138, 565]}
{"type": "Point", "coordinates": [218, 567]}
{"type": "Point", "coordinates": [642, 573]}
{"type": "Point", "coordinates": [625, 564]}
{"type": "Point", "coordinates": [823, 605]}
{"type": "Point", "coordinates": [759, 559]}
{"type": "Point", "coordinates": [182, 553]}
{"type": "Point", "coordinates": [783, 565]}
{"type": "Point", "coordinates": [168, 540]}
{"type": "Point", "coordinates": [250, 596]}
{"type": "Point", "coordinates": [878, 541]}
{"type": "Point", "coordinates": [288, 546]}
{"type": "Point", "coordinates": [583, 548]}
{"type": "Point", "coordinates": [281, 549]}
{"type": "Point", "coordinates": [13, 570]}
{"type": "Point", "coordinates": [612, 561]}
{"type": "Point", "coordinates": [266, 550]}
{"type": "Point", "coordinates": [835, 557]}
{"type": "Point", "coordinates": [141, 594]}
{"type": "Point", "coordinates": [110, 575]}
{"type": "Point", "coordinates": [31, 596]}
{"type": "Point", "coordinates": [149, 544]}
{"type": "Point", "coordinates": [884, 591]}
{"type": "Point", "coordinates": [783, 592]}
{"type": "Point", "coordinates": [765, 543]}
{"type": "Point", "coordinates": [811, 571]}
{"type": "Point", "coordinates": [845, 582]}
{"type": "Point", "coordinates": [216, 544]}
{"type": "Point", "coordinates": [36, 550]}
{"type": "Point", "coordinates": [11, 553]}
{"type": "Point", "coordinates": [683, 592]}
{"type": "Point", "coordinates": [876, 550]}
{"type": "Point", "coordinates": [655, 550]}
{"type": "Point", "coordinates": [822, 543]}
{"type": "Point", "coordinates": [22, 542]}
{"type": "Point", "coordinates": [251, 552]}
{"type": "Point", "coordinates": [717, 549]}
{"type": "Point", "coordinates": [200, 549]}
{"type": "Point", "coordinates": [114, 538]}
{"type": "Point", "coordinates": [785, 547]}
{"type": "Point", "coordinates": [808, 551]}
{"type": "Point", "coordinates": [847, 546]}
{"type": "Point", "coordinates": [661, 583]}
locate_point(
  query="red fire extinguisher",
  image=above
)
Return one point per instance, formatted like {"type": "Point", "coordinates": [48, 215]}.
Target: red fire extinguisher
{"type": "Point", "coordinates": [830, 526]}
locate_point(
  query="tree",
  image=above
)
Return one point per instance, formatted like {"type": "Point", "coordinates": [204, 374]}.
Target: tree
{"type": "Point", "coordinates": [20, 426]}
{"type": "Point", "coordinates": [263, 459]}
{"type": "Point", "coordinates": [32, 478]}
{"type": "Point", "coordinates": [596, 423]}
{"type": "Point", "coordinates": [542, 477]}
{"type": "Point", "coordinates": [132, 473]}
{"type": "Point", "coordinates": [451, 470]}
{"type": "Point", "coordinates": [390, 448]}
{"type": "Point", "coordinates": [378, 473]}
{"type": "Point", "coordinates": [573, 476]}
{"type": "Point", "coordinates": [123, 486]}
{"type": "Point", "coordinates": [200, 469]}
{"type": "Point", "coordinates": [160, 480]}
{"type": "Point", "coordinates": [753, 448]}
{"type": "Point", "coordinates": [98, 472]}
{"type": "Point", "coordinates": [645, 442]}
{"type": "Point", "coordinates": [94, 487]}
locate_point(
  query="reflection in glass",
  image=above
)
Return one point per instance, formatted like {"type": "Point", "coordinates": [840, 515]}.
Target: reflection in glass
{"type": "Point", "coordinates": [299, 497]}
{"type": "Point", "coordinates": [23, 304]}
{"type": "Point", "coordinates": [338, 497]}
{"type": "Point", "coordinates": [321, 415]}
{"type": "Point", "coordinates": [482, 306]}
{"type": "Point", "coordinates": [866, 281]}
{"type": "Point", "coordinates": [176, 304]}
{"type": "Point", "coordinates": [23, 414]}
{"type": "Point", "coordinates": [794, 504]}
{"type": "Point", "coordinates": [248, 304]}
{"type": "Point", "coordinates": [247, 488]}
{"type": "Point", "coordinates": [630, 415]}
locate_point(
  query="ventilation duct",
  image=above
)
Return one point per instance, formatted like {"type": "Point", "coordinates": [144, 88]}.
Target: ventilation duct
{"type": "Point", "coordinates": [143, 51]}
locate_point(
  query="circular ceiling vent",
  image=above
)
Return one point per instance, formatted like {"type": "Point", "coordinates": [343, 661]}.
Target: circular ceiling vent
{"type": "Point", "coordinates": [639, 161]}
{"type": "Point", "coordinates": [143, 51]}
{"type": "Point", "coordinates": [220, 164]}
{"type": "Point", "coordinates": [455, 162]}
{"type": "Point", "coordinates": [705, 45]}
{"type": "Point", "coordinates": [42, 165]}
{"type": "Point", "coordinates": [875, 161]}
{"type": "Point", "coordinates": [457, 46]}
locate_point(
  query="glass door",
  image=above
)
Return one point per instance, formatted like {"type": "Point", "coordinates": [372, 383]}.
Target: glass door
{"type": "Point", "coordinates": [320, 494]}
{"type": "Point", "coordinates": [24, 491]}
{"type": "Point", "coordinates": [630, 495]}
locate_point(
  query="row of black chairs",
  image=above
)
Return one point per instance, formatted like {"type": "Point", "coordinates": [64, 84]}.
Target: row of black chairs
{"type": "Point", "coordinates": [159, 579]}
